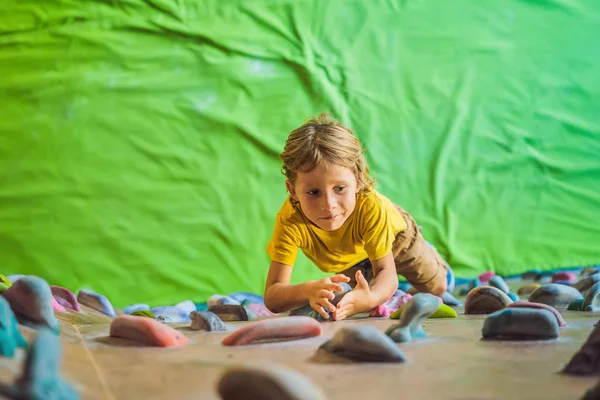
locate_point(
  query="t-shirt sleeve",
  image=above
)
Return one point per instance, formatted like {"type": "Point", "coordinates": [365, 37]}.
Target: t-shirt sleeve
{"type": "Point", "coordinates": [377, 230]}
{"type": "Point", "coordinates": [285, 242]}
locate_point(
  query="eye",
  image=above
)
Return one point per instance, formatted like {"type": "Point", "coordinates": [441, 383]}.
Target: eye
{"type": "Point", "coordinates": [312, 192]}
{"type": "Point", "coordinates": [340, 189]}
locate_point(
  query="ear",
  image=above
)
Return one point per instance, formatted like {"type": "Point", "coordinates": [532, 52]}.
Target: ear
{"type": "Point", "coordinates": [291, 189]}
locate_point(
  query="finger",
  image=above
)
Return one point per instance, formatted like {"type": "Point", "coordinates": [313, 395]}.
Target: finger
{"type": "Point", "coordinates": [340, 278]}
{"type": "Point", "coordinates": [334, 287]}
{"type": "Point", "coordinates": [361, 281]}
{"type": "Point", "coordinates": [327, 305]}
{"type": "Point", "coordinates": [321, 311]}
{"type": "Point", "coordinates": [341, 314]}
{"type": "Point", "coordinates": [326, 294]}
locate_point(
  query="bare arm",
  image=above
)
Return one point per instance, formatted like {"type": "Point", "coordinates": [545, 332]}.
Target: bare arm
{"type": "Point", "coordinates": [280, 296]}
{"type": "Point", "coordinates": [386, 279]}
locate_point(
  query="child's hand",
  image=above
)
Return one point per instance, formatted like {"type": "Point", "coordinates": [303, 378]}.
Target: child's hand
{"type": "Point", "coordinates": [360, 299]}
{"type": "Point", "coordinates": [322, 291]}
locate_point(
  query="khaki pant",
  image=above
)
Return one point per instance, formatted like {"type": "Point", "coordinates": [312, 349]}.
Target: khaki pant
{"type": "Point", "coordinates": [415, 259]}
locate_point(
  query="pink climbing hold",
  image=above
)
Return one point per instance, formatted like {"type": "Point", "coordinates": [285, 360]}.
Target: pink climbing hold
{"type": "Point", "coordinates": [56, 306]}
{"type": "Point", "coordinates": [526, 304]}
{"type": "Point", "coordinates": [388, 308]}
{"type": "Point", "coordinates": [564, 277]}
{"type": "Point", "coordinates": [146, 330]}
{"type": "Point", "coordinates": [293, 327]}
{"type": "Point", "coordinates": [65, 298]}
{"type": "Point", "coordinates": [486, 276]}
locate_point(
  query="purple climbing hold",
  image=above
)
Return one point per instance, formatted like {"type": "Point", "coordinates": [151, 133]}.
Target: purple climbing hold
{"type": "Point", "coordinates": [31, 300]}
{"type": "Point", "coordinates": [65, 298]}
{"type": "Point", "coordinates": [96, 301]}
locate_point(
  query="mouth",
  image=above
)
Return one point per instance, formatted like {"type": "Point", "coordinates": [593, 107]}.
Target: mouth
{"type": "Point", "coordinates": [330, 218]}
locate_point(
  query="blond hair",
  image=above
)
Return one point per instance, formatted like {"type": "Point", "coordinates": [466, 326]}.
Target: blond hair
{"type": "Point", "coordinates": [324, 139]}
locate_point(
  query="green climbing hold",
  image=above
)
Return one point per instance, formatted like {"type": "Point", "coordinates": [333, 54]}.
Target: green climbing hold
{"type": "Point", "coordinates": [443, 311]}
{"type": "Point", "coordinates": [4, 283]}
{"type": "Point", "coordinates": [143, 313]}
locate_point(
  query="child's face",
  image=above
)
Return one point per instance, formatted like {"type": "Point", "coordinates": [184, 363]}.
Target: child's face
{"type": "Point", "coordinates": [327, 195]}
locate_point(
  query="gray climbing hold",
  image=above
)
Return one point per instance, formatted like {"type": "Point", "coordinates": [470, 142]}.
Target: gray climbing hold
{"type": "Point", "coordinates": [587, 282]}
{"type": "Point", "coordinates": [499, 283]}
{"type": "Point", "coordinates": [136, 307]}
{"type": "Point", "coordinates": [40, 379]}
{"type": "Point", "coordinates": [449, 300]}
{"type": "Point", "coordinates": [266, 383]}
{"type": "Point", "coordinates": [207, 321]}
{"type": "Point", "coordinates": [229, 312]}
{"type": "Point", "coordinates": [555, 294]}
{"type": "Point", "coordinates": [513, 296]}
{"type": "Point", "coordinates": [593, 393]}
{"type": "Point", "coordinates": [96, 301]}
{"type": "Point", "coordinates": [171, 313]}
{"type": "Point", "coordinates": [308, 311]}
{"type": "Point", "coordinates": [10, 335]}
{"type": "Point", "coordinates": [421, 306]}
{"type": "Point", "coordinates": [591, 301]}
{"type": "Point", "coordinates": [363, 343]}
{"type": "Point", "coordinates": [31, 300]}
{"type": "Point", "coordinates": [521, 324]}
{"type": "Point", "coordinates": [486, 300]}
{"type": "Point", "coordinates": [586, 361]}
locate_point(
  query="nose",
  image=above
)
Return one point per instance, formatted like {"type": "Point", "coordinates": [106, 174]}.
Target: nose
{"type": "Point", "coordinates": [329, 202]}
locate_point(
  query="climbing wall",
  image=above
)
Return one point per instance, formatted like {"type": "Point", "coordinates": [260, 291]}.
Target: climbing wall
{"type": "Point", "coordinates": [451, 362]}
{"type": "Point", "coordinates": [139, 139]}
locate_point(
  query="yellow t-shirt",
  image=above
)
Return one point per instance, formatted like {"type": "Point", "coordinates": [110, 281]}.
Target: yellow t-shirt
{"type": "Point", "coordinates": [369, 232]}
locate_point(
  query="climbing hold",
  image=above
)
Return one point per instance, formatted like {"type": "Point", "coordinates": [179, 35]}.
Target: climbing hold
{"type": "Point", "coordinates": [65, 298]}
{"type": "Point", "coordinates": [40, 378]}
{"type": "Point", "coordinates": [172, 314]}
{"type": "Point", "coordinates": [285, 328]}
{"type": "Point", "coordinates": [521, 324]}
{"type": "Point", "coordinates": [528, 289]}
{"type": "Point", "coordinates": [363, 343]}
{"type": "Point", "coordinates": [409, 327]}
{"type": "Point", "coordinates": [206, 321]}
{"type": "Point", "coordinates": [586, 361]}
{"type": "Point", "coordinates": [499, 283]}
{"type": "Point", "coordinates": [272, 382]}
{"type": "Point", "coordinates": [143, 313]}
{"type": "Point", "coordinates": [528, 304]}
{"type": "Point", "coordinates": [10, 335]}
{"type": "Point", "coordinates": [147, 331]}
{"type": "Point", "coordinates": [31, 300]}
{"type": "Point", "coordinates": [555, 295]}
{"type": "Point", "coordinates": [230, 312]}
{"type": "Point", "coordinates": [96, 301]}
{"type": "Point", "coordinates": [486, 300]}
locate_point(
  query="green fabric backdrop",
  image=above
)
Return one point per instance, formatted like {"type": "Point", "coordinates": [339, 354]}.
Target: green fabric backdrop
{"type": "Point", "coordinates": [139, 140]}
